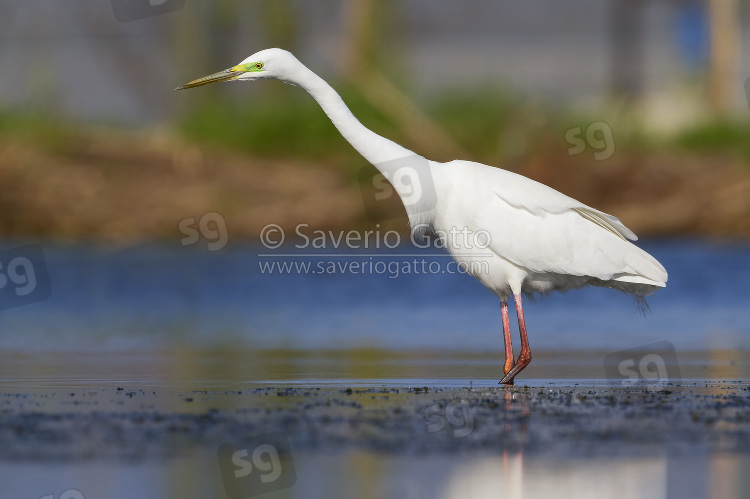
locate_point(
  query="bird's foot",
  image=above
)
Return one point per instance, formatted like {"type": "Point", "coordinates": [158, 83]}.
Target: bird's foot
{"type": "Point", "coordinates": [509, 365]}
{"type": "Point", "coordinates": [523, 360]}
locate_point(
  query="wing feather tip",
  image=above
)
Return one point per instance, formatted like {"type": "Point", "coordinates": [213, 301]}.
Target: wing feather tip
{"type": "Point", "coordinates": [640, 280]}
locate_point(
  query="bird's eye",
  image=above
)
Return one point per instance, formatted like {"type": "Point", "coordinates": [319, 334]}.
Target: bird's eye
{"type": "Point", "coordinates": [258, 65]}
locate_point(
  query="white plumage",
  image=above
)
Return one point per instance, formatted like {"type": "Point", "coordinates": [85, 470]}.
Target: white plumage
{"type": "Point", "coordinates": [556, 242]}
{"type": "Point", "coordinates": [531, 237]}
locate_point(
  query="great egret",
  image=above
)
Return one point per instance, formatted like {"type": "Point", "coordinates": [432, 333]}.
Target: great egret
{"type": "Point", "coordinates": [528, 237]}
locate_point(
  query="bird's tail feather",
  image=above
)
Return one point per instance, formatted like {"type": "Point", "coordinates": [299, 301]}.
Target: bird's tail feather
{"type": "Point", "coordinates": [646, 269]}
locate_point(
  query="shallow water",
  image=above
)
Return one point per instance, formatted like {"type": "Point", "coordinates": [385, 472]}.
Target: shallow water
{"type": "Point", "coordinates": [91, 441]}
{"type": "Point", "coordinates": [148, 297]}
{"type": "Point", "coordinates": [168, 324]}
{"type": "Point", "coordinates": [367, 475]}
{"type": "Point", "coordinates": [230, 368]}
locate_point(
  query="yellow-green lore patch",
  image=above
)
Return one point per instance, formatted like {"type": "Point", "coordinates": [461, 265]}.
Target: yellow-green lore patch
{"type": "Point", "coordinates": [249, 67]}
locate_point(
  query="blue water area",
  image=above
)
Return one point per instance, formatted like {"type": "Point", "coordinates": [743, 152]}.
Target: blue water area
{"type": "Point", "coordinates": [155, 295]}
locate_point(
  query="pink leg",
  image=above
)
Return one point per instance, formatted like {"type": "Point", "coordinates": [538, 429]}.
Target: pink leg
{"type": "Point", "coordinates": [509, 363]}
{"type": "Point", "coordinates": [524, 358]}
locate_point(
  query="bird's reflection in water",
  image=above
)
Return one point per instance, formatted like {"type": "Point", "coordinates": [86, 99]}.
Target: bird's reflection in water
{"type": "Point", "coordinates": [513, 475]}
{"type": "Point", "coordinates": [511, 461]}
{"type": "Point", "coordinates": [516, 408]}
{"type": "Point", "coordinates": [523, 471]}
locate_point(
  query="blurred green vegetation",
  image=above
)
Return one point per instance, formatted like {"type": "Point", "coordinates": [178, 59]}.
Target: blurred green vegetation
{"type": "Point", "coordinates": [47, 132]}
{"type": "Point", "coordinates": [494, 125]}
{"type": "Point", "coordinates": [286, 123]}
{"type": "Point", "coordinates": [291, 124]}
{"type": "Point", "coordinates": [480, 119]}
{"type": "Point", "coordinates": [724, 135]}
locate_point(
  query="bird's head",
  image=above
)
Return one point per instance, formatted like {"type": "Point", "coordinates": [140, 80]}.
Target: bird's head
{"type": "Point", "coordinates": [269, 63]}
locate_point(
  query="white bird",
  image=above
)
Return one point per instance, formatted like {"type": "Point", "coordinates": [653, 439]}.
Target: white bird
{"type": "Point", "coordinates": [516, 235]}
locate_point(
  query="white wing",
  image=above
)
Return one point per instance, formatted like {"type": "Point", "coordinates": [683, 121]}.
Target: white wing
{"type": "Point", "coordinates": [544, 231]}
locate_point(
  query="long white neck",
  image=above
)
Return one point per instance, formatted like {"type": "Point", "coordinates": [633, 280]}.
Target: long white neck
{"type": "Point", "coordinates": [409, 173]}
{"type": "Point", "coordinates": [375, 149]}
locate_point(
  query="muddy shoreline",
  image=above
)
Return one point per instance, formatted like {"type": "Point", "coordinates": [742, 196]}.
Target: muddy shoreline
{"type": "Point", "coordinates": [122, 423]}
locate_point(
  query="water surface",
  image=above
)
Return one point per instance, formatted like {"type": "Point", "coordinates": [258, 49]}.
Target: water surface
{"type": "Point", "coordinates": [171, 332]}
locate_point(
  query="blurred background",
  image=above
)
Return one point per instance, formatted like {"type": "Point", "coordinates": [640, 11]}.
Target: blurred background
{"type": "Point", "coordinates": [98, 147]}
{"type": "Point", "coordinates": [148, 203]}
{"type": "Point", "coordinates": [131, 216]}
